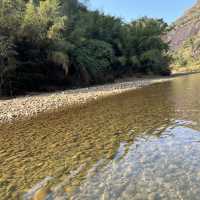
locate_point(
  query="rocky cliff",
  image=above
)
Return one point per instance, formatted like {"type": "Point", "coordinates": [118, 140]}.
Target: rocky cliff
{"type": "Point", "coordinates": [184, 37]}
{"type": "Point", "coordinates": [186, 27]}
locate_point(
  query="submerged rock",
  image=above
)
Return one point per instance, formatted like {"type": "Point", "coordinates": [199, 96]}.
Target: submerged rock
{"type": "Point", "coordinates": [39, 191]}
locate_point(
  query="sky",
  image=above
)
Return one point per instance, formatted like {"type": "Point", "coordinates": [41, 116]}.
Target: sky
{"type": "Point", "coordinates": [129, 10]}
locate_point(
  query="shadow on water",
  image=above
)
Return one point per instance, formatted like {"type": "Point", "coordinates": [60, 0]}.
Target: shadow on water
{"type": "Point", "coordinates": [142, 144]}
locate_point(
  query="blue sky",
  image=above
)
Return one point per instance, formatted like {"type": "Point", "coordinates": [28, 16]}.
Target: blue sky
{"type": "Point", "coordinates": [169, 10]}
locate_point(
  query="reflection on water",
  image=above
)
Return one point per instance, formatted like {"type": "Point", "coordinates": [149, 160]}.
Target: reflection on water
{"type": "Point", "coordinates": [166, 167]}
{"type": "Point", "coordinates": [143, 144]}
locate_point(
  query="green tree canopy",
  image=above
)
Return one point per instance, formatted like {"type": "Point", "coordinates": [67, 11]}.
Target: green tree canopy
{"type": "Point", "coordinates": [47, 43]}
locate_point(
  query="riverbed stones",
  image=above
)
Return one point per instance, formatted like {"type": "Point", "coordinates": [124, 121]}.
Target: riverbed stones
{"type": "Point", "coordinates": [149, 172]}
{"type": "Point", "coordinates": [29, 106]}
{"type": "Point", "coordinates": [40, 191]}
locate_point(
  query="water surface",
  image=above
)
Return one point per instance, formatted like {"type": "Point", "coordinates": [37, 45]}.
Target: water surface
{"type": "Point", "coordinates": [143, 144]}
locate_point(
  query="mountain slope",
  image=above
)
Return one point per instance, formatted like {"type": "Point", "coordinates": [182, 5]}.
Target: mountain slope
{"type": "Point", "coordinates": [185, 27]}
{"type": "Point", "coordinates": [184, 38]}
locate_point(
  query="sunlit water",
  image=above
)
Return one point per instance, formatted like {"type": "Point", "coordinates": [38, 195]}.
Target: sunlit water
{"type": "Point", "coordinates": [140, 145]}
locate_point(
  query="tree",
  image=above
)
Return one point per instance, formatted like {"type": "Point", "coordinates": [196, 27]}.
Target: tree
{"type": "Point", "coordinates": [62, 42]}
{"type": "Point", "coordinates": [145, 45]}
{"type": "Point", "coordinates": [34, 32]}
{"type": "Point", "coordinates": [95, 57]}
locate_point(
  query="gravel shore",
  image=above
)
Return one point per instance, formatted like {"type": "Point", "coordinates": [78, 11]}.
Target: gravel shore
{"type": "Point", "coordinates": [29, 106]}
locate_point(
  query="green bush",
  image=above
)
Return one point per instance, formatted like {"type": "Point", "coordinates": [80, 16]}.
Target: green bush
{"type": "Point", "coordinates": [153, 61]}
{"type": "Point", "coordinates": [96, 57]}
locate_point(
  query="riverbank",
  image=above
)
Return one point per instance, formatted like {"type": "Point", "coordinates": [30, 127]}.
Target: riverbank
{"type": "Point", "coordinates": [30, 106]}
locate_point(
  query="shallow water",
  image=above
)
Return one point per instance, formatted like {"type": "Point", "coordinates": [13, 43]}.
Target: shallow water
{"type": "Point", "coordinates": [143, 144]}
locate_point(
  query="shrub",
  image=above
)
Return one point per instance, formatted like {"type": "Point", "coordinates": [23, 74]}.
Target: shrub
{"type": "Point", "coordinates": [153, 61]}
{"type": "Point", "coordinates": [96, 57]}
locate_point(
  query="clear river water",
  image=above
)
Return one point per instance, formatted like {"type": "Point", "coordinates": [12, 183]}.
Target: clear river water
{"type": "Point", "coordinates": [140, 145]}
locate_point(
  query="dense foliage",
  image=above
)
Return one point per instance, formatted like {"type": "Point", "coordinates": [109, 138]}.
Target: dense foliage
{"type": "Point", "coordinates": [46, 44]}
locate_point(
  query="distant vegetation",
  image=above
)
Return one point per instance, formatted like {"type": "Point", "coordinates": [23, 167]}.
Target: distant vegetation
{"type": "Point", "coordinates": [188, 55]}
{"type": "Point", "coordinates": [57, 44]}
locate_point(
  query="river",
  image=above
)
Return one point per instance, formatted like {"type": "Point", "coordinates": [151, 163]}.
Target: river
{"type": "Point", "coordinates": [143, 144]}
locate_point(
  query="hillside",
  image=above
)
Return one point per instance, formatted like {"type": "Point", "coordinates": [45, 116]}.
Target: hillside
{"type": "Point", "coordinates": [184, 38]}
